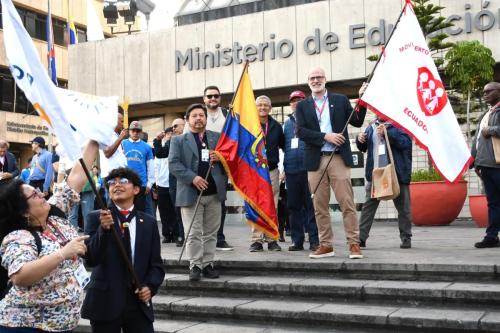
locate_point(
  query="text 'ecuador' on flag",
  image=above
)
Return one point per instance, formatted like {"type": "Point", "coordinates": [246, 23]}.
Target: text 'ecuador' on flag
{"type": "Point", "coordinates": [406, 88]}
{"type": "Point", "coordinates": [241, 149]}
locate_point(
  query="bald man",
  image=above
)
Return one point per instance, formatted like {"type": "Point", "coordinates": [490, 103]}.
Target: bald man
{"type": "Point", "coordinates": [487, 160]}
{"type": "Point", "coordinates": [321, 118]}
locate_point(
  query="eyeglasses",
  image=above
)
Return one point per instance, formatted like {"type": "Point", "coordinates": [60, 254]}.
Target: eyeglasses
{"type": "Point", "coordinates": [487, 91]}
{"type": "Point", "coordinates": [212, 96]}
{"type": "Point", "coordinates": [296, 100]}
{"type": "Point", "coordinates": [316, 78]}
{"type": "Point", "coordinates": [36, 193]}
{"type": "Point", "coordinates": [121, 181]}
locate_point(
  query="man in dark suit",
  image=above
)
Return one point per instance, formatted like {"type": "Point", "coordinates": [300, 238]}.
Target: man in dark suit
{"type": "Point", "coordinates": [8, 165]}
{"type": "Point", "coordinates": [191, 157]}
{"type": "Point", "coordinates": [320, 120]}
{"type": "Point", "coordinates": [112, 302]}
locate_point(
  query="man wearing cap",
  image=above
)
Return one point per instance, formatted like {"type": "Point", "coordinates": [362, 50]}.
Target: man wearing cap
{"type": "Point", "coordinates": [8, 165]}
{"type": "Point", "coordinates": [41, 166]}
{"type": "Point", "coordinates": [140, 159]}
{"type": "Point", "coordinates": [299, 201]}
{"type": "Point", "coordinates": [169, 228]}
{"type": "Point", "coordinates": [216, 118]}
{"type": "Point", "coordinates": [191, 160]}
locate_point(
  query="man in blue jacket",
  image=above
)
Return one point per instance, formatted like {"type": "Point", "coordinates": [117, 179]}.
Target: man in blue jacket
{"type": "Point", "coordinates": [8, 165]}
{"type": "Point", "coordinates": [299, 200]}
{"type": "Point", "coordinates": [401, 146]}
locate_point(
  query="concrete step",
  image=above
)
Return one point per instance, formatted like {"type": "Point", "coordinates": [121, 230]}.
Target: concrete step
{"type": "Point", "coordinates": [481, 295]}
{"type": "Point", "coordinates": [228, 326]}
{"type": "Point", "coordinates": [327, 314]}
{"type": "Point", "coordinates": [358, 269]}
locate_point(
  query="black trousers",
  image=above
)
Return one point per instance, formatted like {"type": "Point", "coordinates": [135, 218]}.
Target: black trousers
{"type": "Point", "coordinates": [178, 217]}
{"type": "Point", "coordinates": [132, 320]}
{"type": "Point", "coordinates": [169, 228]}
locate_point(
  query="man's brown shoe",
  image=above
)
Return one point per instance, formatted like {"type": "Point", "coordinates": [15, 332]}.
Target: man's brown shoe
{"type": "Point", "coordinates": [322, 252]}
{"type": "Point", "coordinates": [355, 252]}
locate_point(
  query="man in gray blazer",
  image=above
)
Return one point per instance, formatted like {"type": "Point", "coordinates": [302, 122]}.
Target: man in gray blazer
{"type": "Point", "coordinates": [190, 160]}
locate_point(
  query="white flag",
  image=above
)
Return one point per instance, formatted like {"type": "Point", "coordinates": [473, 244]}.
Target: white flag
{"type": "Point", "coordinates": [32, 78]}
{"type": "Point", "coordinates": [93, 117]}
{"type": "Point", "coordinates": [406, 88]}
{"type": "Point", "coordinates": [94, 28]}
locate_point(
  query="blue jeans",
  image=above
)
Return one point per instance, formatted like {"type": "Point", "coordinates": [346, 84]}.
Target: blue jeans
{"type": "Point", "coordinates": [491, 180]}
{"type": "Point", "coordinates": [4, 329]}
{"type": "Point", "coordinates": [301, 210]}
{"type": "Point", "coordinates": [73, 215]}
{"type": "Point", "coordinates": [87, 203]}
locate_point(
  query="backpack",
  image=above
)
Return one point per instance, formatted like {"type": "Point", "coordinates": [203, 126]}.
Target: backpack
{"type": "Point", "coordinates": [5, 284]}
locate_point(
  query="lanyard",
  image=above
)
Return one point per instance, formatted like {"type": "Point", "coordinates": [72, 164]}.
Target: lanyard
{"type": "Point", "coordinates": [57, 237]}
{"type": "Point", "coordinates": [319, 112]}
{"type": "Point", "coordinates": [266, 130]}
{"type": "Point", "coordinates": [201, 137]}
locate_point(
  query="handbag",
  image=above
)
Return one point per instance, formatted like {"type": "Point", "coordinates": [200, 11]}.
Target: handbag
{"type": "Point", "coordinates": [385, 185]}
{"type": "Point", "coordinates": [495, 142]}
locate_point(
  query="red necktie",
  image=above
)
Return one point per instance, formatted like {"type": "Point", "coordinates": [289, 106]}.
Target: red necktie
{"type": "Point", "coordinates": [124, 212]}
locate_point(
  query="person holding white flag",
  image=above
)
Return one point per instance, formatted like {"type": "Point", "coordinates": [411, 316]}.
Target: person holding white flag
{"type": "Point", "coordinates": [407, 89]}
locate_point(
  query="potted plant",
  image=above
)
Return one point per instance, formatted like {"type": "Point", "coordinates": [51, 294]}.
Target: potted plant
{"type": "Point", "coordinates": [433, 200]}
{"type": "Point", "coordinates": [478, 207]}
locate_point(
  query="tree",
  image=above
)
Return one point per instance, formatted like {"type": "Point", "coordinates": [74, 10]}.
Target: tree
{"type": "Point", "coordinates": [432, 24]}
{"type": "Point", "coordinates": [469, 68]}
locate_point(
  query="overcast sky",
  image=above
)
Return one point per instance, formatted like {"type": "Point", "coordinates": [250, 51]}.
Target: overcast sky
{"type": "Point", "coordinates": [162, 16]}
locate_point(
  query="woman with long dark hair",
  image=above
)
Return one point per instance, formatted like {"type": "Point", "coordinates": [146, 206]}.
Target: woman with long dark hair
{"type": "Point", "coordinates": [40, 254]}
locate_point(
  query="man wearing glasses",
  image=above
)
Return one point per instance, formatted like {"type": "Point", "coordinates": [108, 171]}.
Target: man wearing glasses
{"type": "Point", "coordinates": [112, 303]}
{"type": "Point", "coordinates": [216, 117]}
{"type": "Point", "coordinates": [321, 119]}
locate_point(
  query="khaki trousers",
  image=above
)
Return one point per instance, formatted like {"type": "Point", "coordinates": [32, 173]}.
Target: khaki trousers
{"type": "Point", "coordinates": [338, 177]}
{"type": "Point", "coordinates": [257, 235]}
{"type": "Point", "coordinates": [201, 241]}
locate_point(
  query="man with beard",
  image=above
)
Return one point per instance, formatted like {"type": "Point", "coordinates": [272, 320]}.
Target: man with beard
{"type": "Point", "coordinates": [190, 159]}
{"type": "Point", "coordinates": [320, 120]}
{"type": "Point", "coordinates": [486, 162]}
{"type": "Point", "coordinates": [216, 117]}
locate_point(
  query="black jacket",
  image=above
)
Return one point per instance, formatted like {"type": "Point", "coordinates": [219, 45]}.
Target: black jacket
{"type": "Point", "coordinates": [308, 128]}
{"type": "Point", "coordinates": [11, 166]}
{"type": "Point", "coordinates": [275, 139]}
{"type": "Point", "coordinates": [401, 146]}
{"type": "Point", "coordinates": [107, 291]}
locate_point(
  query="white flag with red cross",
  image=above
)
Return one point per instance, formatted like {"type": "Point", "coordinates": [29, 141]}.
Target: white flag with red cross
{"type": "Point", "coordinates": [407, 89]}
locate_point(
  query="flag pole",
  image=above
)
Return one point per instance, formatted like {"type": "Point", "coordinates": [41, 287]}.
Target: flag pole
{"type": "Point", "coordinates": [121, 249]}
{"type": "Point", "coordinates": [245, 68]}
{"type": "Point", "coordinates": [194, 214]}
{"type": "Point", "coordinates": [408, 2]}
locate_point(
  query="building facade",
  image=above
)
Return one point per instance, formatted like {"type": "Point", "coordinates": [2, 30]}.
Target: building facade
{"type": "Point", "coordinates": [162, 72]}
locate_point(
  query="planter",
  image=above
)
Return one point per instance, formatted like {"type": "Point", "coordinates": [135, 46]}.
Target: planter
{"type": "Point", "coordinates": [436, 202]}
{"type": "Point", "coordinates": [479, 210]}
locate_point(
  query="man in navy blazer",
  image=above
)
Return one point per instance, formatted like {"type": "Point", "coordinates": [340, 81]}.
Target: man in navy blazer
{"type": "Point", "coordinates": [8, 165]}
{"type": "Point", "coordinates": [112, 303]}
{"type": "Point", "coordinates": [321, 119]}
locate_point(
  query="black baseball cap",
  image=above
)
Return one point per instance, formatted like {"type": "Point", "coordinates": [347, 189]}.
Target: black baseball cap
{"type": "Point", "coordinates": [39, 140]}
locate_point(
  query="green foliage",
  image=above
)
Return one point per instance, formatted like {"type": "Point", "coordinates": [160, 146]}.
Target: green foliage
{"type": "Point", "coordinates": [425, 175]}
{"type": "Point", "coordinates": [469, 66]}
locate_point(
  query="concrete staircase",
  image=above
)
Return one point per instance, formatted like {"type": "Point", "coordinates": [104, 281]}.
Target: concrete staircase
{"type": "Point", "coordinates": [323, 296]}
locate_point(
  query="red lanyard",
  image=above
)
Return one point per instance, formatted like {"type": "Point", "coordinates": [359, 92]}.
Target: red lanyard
{"type": "Point", "coordinates": [320, 112]}
{"type": "Point", "coordinates": [266, 129]}
{"type": "Point", "coordinates": [58, 237]}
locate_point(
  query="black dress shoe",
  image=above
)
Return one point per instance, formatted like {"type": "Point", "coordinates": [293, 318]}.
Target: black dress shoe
{"type": "Point", "coordinates": [296, 247]}
{"type": "Point", "coordinates": [273, 246]}
{"type": "Point", "coordinates": [282, 238]}
{"type": "Point", "coordinates": [314, 247]}
{"type": "Point", "coordinates": [488, 242]}
{"type": "Point", "coordinates": [362, 243]}
{"type": "Point", "coordinates": [195, 274]}
{"type": "Point", "coordinates": [256, 247]}
{"type": "Point", "coordinates": [209, 272]}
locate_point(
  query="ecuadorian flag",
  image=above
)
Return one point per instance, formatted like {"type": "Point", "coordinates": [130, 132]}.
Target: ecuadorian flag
{"type": "Point", "coordinates": [73, 38]}
{"type": "Point", "coordinates": [241, 149]}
